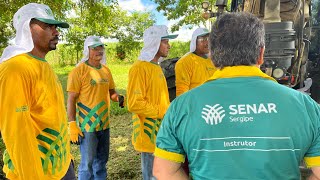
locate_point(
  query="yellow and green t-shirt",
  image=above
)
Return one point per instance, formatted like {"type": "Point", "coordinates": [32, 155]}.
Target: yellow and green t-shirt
{"type": "Point", "coordinates": [93, 105]}
{"type": "Point", "coordinates": [33, 120]}
{"type": "Point", "coordinates": [148, 100]}
{"type": "Point", "coordinates": [191, 71]}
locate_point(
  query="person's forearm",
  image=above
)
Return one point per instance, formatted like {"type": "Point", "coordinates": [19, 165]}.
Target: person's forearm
{"type": "Point", "coordinates": [71, 109]}
{"type": "Point", "coordinates": [114, 95]}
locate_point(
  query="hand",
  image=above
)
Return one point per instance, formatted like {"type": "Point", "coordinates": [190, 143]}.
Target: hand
{"type": "Point", "coordinates": [75, 132]}
{"type": "Point", "coordinates": [121, 100]}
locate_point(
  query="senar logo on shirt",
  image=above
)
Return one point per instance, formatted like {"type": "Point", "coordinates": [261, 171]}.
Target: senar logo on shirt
{"type": "Point", "coordinates": [213, 114]}
{"type": "Point", "coordinates": [237, 112]}
{"type": "Point", "coordinates": [93, 82]}
{"type": "Point", "coordinates": [22, 108]}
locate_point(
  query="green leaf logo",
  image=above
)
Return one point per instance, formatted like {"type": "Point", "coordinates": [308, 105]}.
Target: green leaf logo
{"type": "Point", "coordinates": [52, 145]}
{"type": "Point", "coordinates": [93, 82]}
{"type": "Point", "coordinates": [49, 12]}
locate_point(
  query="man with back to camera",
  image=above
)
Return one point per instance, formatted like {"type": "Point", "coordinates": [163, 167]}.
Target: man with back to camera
{"type": "Point", "coordinates": [195, 67]}
{"type": "Point", "coordinates": [90, 89]}
{"type": "Point", "coordinates": [33, 120]}
{"type": "Point", "coordinates": [147, 93]}
{"type": "Point", "coordinates": [240, 124]}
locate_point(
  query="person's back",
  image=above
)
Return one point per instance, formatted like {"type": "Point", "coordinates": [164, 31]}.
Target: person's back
{"type": "Point", "coordinates": [262, 135]}
{"type": "Point", "coordinates": [241, 124]}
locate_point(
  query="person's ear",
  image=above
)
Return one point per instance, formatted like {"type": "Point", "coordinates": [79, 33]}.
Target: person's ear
{"type": "Point", "coordinates": [260, 60]}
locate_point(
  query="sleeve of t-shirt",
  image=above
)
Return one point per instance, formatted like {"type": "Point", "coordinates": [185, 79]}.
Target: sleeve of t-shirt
{"type": "Point", "coordinates": [168, 145]}
{"type": "Point", "coordinates": [74, 81]}
{"type": "Point", "coordinates": [111, 81]}
{"type": "Point", "coordinates": [312, 157]}
{"type": "Point", "coordinates": [182, 72]}
{"type": "Point", "coordinates": [17, 126]}
{"type": "Point", "coordinates": [136, 94]}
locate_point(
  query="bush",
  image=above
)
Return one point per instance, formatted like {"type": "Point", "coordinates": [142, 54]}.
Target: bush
{"type": "Point", "coordinates": [116, 53]}
{"type": "Point", "coordinates": [178, 49]}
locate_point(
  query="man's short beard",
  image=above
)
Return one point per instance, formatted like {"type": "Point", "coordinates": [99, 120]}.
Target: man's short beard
{"type": "Point", "coordinates": [52, 47]}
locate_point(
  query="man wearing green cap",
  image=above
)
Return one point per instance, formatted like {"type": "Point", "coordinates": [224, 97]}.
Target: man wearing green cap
{"type": "Point", "coordinates": [195, 67]}
{"type": "Point", "coordinates": [147, 92]}
{"type": "Point", "coordinates": [90, 89]}
{"type": "Point", "coordinates": [33, 120]}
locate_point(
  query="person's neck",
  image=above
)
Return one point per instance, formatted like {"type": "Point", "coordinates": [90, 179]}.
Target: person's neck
{"type": "Point", "coordinates": [94, 63]}
{"type": "Point", "coordinates": [201, 54]}
{"type": "Point", "coordinates": [38, 53]}
{"type": "Point", "coordinates": [155, 59]}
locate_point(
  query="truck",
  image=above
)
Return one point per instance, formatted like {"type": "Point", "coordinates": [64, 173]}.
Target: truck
{"type": "Point", "coordinates": [288, 40]}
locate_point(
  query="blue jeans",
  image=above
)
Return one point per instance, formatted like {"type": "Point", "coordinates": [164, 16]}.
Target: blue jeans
{"type": "Point", "coordinates": [70, 175]}
{"type": "Point", "coordinates": [94, 149]}
{"type": "Point", "coordinates": [147, 165]}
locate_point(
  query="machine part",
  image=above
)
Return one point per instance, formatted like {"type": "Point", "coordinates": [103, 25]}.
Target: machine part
{"type": "Point", "coordinates": [280, 47]}
{"type": "Point", "coordinates": [307, 86]}
{"type": "Point", "coordinates": [278, 73]}
{"type": "Point", "coordinates": [168, 71]}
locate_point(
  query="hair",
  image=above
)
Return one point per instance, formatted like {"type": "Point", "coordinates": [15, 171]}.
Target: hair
{"type": "Point", "coordinates": [33, 21]}
{"type": "Point", "coordinates": [236, 39]}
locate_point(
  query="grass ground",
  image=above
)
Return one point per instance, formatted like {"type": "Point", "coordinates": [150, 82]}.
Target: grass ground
{"type": "Point", "coordinates": [124, 161]}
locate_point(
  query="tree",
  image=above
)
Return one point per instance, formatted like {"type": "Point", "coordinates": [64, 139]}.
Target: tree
{"type": "Point", "coordinates": [89, 18]}
{"type": "Point", "coordinates": [59, 7]}
{"type": "Point", "coordinates": [106, 19]}
{"type": "Point", "coordinates": [86, 17]}
{"type": "Point", "coordinates": [315, 41]}
{"type": "Point", "coordinates": [187, 12]}
{"type": "Point", "coordinates": [130, 30]}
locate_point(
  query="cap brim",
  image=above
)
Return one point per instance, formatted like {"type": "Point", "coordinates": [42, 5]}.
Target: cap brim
{"type": "Point", "coordinates": [96, 45]}
{"type": "Point", "coordinates": [173, 36]}
{"type": "Point", "coordinates": [203, 34]}
{"type": "Point", "coordinates": [55, 22]}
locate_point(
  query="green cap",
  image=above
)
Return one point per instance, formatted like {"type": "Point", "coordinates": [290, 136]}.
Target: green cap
{"type": "Point", "coordinates": [173, 36]}
{"type": "Point", "coordinates": [96, 45]}
{"type": "Point", "coordinates": [55, 22]}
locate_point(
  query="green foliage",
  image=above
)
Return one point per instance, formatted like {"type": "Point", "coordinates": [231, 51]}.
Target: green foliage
{"type": "Point", "coordinates": [67, 55]}
{"type": "Point", "coordinates": [130, 30]}
{"type": "Point", "coordinates": [315, 40]}
{"type": "Point", "coordinates": [107, 20]}
{"type": "Point", "coordinates": [87, 17]}
{"type": "Point", "coordinates": [315, 12]}
{"type": "Point", "coordinates": [9, 7]}
{"type": "Point", "coordinates": [178, 49]}
{"type": "Point", "coordinates": [187, 12]}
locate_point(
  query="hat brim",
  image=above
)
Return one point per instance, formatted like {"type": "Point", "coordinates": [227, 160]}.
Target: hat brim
{"type": "Point", "coordinates": [96, 45]}
{"type": "Point", "coordinates": [173, 36]}
{"type": "Point", "coordinates": [203, 34]}
{"type": "Point", "coordinates": [55, 22]}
